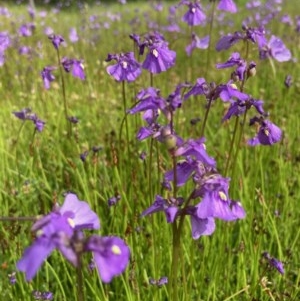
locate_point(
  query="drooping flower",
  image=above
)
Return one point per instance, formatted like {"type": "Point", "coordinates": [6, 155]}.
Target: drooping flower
{"type": "Point", "coordinates": [126, 69]}
{"type": "Point", "coordinates": [275, 49]}
{"type": "Point", "coordinates": [169, 206]}
{"type": "Point", "coordinates": [56, 40]}
{"type": "Point", "coordinates": [217, 204]}
{"type": "Point", "coordinates": [288, 81]}
{"type": "Point", "coordinates": [73, 36]}
{"type": "Point", "coordinates": [195, 15]}
{"type": "Point", "coordinates": [148, 99]}
{"type": "Point", "coordinates": [47, 76]}
{"type": "Point", "coordinates": [76, 66]}
{"type": "Point", "coordinates": [37, 295]}
{"type": "Point", "coordinates": [227, 5]}
{"type": "Point", "coordinates": [255, 35]}
{"type": "Point", "coordinates": [201, 226]}
{"type": "Point", "coordinates": [201, 43]}
{"type": "Point", "coordinates": [273, 262]}
{"type": "Point", "coordinates": [111, 255]}
{"type": "Point", "coordinates": [160, 282]}
{"type": "Point", "coordinates": [112, 201]}
{"type": "Point", "coordinates": [268, 132]}
{"type": "Point", "coordinates": [159, 57]}
{"type": "Point", "coordinates": [55, 230]}
{"type": "Point", "coordinates": [239, 107]}
{"type": "Point", "coordinates": [197, 149]}
{"type": "Point", "coordinates": [26, 30]}
{"type": "Point", "coordinates": [25, 114]}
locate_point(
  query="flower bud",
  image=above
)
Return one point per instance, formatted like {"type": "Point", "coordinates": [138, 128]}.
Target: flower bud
{"type": "Point", "coordinates": [170, 141]}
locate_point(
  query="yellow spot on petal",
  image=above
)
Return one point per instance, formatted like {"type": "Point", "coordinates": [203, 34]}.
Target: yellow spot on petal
{"type": "Point", "coordinates": [193, 10]}
{"type": "Point", "coordinates": [266, 132]}
{"type": "Point", "coordinates": [82, 66]}
{"type": "Point", "coordinates": [71, 222]}
{"type": "Point", "coordinates": [39, 232]}
{"type": "Point", "coordinates": [233, 86]}
{"type": "Point", "coordinates": [124, 64]}
{"type": "Point", "coordinates": [116, 250]}
{"type": "Point", "coordinates": [222, 196]}
{"type": "Point", "coordinates": [155, 52]}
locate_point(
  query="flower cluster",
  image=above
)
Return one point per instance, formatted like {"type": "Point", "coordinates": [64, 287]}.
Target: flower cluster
{"type": "Point", "coordinates": [62, 229]}
{"type": "Point", "coordinates": [73, 66]}
{"type": "Point", "coordinates": [210, 187]}
{"type": "Point", "coordinates": [274, 48]}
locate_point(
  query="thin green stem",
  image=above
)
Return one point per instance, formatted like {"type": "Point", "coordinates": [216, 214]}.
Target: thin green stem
{"type": "Point", "coordinates": [125, 116]}
{"type": "Point", "coordinates": [176, 229]}
{"type": "Point", "coordinates": [211, 23]}
{"type": "Point", "coordinates": [79, 279]}
{"type": "Point", "coordinates": [235, 157]}
{"type": "Point", "coordinates": [205, 118]}
{"type": "Point", "coordinates": [231, 145]}
{"type": "Point", "coordinates": [151, 80]}
{"type": "Point", "coordinates": [69, 128]}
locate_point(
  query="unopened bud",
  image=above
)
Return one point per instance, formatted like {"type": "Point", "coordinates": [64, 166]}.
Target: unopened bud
{"type": "Point", "coordinates": [251, 69]}
{"type": "Point", "coordinates": [170, 142]}
{"type": "Point", "coordinates": [165, 131]}
{"type": "Point", "coordinates": [235, 77]}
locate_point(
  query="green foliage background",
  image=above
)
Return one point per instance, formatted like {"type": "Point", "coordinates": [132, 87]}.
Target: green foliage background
{"type": "Point", "coordinates": [36, 171]}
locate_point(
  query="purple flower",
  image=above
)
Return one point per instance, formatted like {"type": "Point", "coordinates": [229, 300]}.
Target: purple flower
{"type": "Point", "coordinates": [235, 60]}
{"type": "Point", "coordinates": [239, 107]}
{"type": "Point", "coordinates": [26, 114]}
{"type": "Point", "coordinates": [228, 92]}
{"type": "Point", "coordinates": [83, 156]}
{"type": "Point", "coordinates": [160, 282]}
{"type": "Point", "coordinates": [184, 171]}
{"type": "Point", "coordinates": [227, 5]}
{"type": "Point", "coordinates": [275, 49]}
{"type": "Point", "coordinates": [55, 230]}
{"type": "Point", "coordinates": [56, 40]}
{"type": "Point", "coordinates": [126, 69]}
{"type": "Point", "coordinates": [255, 35]}
{"type": "Point", "coordinates": [217, 204]}
{"type": "Point", "coordinates": [170, 207]}
{"type": "Point", "coordinates": [278, 265]}
{"type": "Point", "coordinates": [113, 200]}
{"type": "Point", "coordinates": [12, 278]}
{"type": "Point", "coordinates": [111, 255]}
{"type": "Point", "coordinates": [268, 133]}
{"type": "Point", "coordinates": [37, 295]}
{"type": "Point", "coordinates": [5, 41]}
{"type": "Point", "coordinates": [23, 114]}
{"type": "Point", "coordinates": [148, 99]}
{"type": "Point", "coordinates": [197, 43]}
{"type": "Point", "coordinates": [200, 88]}
{"type": "Point", "coordinates": [229, 40]}
{"type": "Point", "coordinates": [26, 30]}
{"type": "Point", "coordinates": [273, 262]}
{"type": "Point", "coordinates": [76, 66]}
{"type": "Point", "coordinates": [202, 226]}
{"type": "Point", "coordinates": [39, 124]}
{"type": "Point", "coordinates": [195, 15]}
{"type": "Point", "coordinates": [197, 149]}
{"type": "Point", "coordinates": [288, 81]}
{"type": "Point", "coordinates": [159, 58]}
{"type": "Point", "coordinates": [47, 76]}
{"type": "Point", "coordinates": [73, 35]}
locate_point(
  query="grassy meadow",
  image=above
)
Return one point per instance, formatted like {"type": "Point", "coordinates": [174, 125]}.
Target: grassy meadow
{"type": "Point", "coordinates": [99, 156]}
